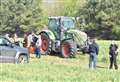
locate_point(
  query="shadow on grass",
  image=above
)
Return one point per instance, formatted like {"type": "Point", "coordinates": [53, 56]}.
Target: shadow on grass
{"type": "Point", "coordinates": [103, 67]}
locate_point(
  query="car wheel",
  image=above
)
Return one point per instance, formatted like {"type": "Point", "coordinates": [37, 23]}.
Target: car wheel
{"type": "Point", "coordinates": [22, 59]}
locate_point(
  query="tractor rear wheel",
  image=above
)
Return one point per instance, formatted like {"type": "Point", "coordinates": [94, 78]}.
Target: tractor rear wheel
{"type": "Point", "coordinates": [46, 43]}
{"type": "Point", "coordinates": [68, 49]}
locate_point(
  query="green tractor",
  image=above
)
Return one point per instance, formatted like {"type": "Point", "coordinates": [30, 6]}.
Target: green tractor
{"type": "Point", "coordinates": [62, 37]}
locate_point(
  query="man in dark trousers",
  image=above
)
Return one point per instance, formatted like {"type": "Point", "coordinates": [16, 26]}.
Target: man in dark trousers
{"type": "Point", "coordinates": [93, 52]}
{"type": "Point", "coordinates": [113, 54]}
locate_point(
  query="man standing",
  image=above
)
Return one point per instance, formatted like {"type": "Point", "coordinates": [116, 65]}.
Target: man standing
{"type": "Point", "coordinates": [31, 44]}
{"type": "Point", "coordinates": [38, 45]}
{"type": "Point", "coordinates": [113, 52]}
{"type": "Point", "coordinates": [93, 52]}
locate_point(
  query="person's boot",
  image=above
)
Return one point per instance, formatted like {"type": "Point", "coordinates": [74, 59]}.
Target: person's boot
{"type": "Point", "coordinates": [39, 56]}
{"type": "Point", "coordinates": [116, 67]}
{"type": "Point", "coordinates": [110, 67]}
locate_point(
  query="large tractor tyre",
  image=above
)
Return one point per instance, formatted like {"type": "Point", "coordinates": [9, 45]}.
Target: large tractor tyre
{"type": "Point", "coordinates": [46, 46]}
{"type": "Point", "coordinates": [68, 49]}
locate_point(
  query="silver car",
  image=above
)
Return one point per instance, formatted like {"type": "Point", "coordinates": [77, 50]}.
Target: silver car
{"type": "Point", "coordinates": [11, 53]}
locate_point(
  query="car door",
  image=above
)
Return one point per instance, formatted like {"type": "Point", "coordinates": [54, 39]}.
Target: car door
{"type": "Point", "coordinates": [7, 51]}
{"type": "Point", "coordinates": [0, 55]}
{"type": "Point", "coordinates": [2, 59]}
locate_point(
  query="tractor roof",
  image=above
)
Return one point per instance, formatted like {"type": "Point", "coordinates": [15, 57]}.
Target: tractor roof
{"type": "Point", "coordinates": [60, 17]}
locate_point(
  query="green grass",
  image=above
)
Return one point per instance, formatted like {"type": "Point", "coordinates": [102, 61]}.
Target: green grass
{"type": "Point", "coordinates": [55, 69]}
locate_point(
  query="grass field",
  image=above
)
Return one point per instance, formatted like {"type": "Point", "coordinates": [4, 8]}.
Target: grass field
{"type": "Point", "coordinates": [55, 69]}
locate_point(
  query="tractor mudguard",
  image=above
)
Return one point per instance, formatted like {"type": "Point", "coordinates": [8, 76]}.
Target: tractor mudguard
{"type": "Point", "coordinates": [48, 39]}
{"type": "Point", "coordinates": [79, 36]}
{"type": "Point", "coordinates": [49, 33]}
{"type": "Point", "coordinates": [68, 48]}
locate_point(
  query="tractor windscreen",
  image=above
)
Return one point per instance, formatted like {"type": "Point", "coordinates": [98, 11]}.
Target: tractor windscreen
{"type": "Point", "coordinates": [68, 23]}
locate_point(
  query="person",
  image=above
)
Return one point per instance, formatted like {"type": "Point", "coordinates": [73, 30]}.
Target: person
{"type": "Point", "coordinates": [15, 39]}
{"type": "Point", "coordinates": [113, 52]}
{"type": "Point", "coordinates": [31, 43]}
{"type": "Point", "coordinates": [38, 45]}
{"type": "Point", "coordinates": [93, 52]}
{"type": "Point", "coordinates": [30, 36]}
{"type": "Point", "coordinates": [11, 39]}
{"type": "Point", "coordinates": [7, 36]}
{"type": "Point", "coordinates": [25, 40]}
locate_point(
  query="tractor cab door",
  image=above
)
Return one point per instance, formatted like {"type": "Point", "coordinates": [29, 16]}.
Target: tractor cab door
{"type": "Point", "coordinates": [54, 26]}
{"type": "Point", "coordinates": [67, 23]}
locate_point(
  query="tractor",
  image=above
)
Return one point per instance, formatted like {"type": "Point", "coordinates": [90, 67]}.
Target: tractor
{"type": "Point", "coordinates": [62, 37]}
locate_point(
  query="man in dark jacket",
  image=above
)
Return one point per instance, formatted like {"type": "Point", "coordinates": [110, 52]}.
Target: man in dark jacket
{"type": "Point", "coordinates": [93, 52]}
{"type": "Point", "coordinates": [113, 54]}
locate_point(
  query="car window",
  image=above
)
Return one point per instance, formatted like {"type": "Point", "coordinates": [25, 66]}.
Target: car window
{"type": "Point", "coordinates": [4, 41]}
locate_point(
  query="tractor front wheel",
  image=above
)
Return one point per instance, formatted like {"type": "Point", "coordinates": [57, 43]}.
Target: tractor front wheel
{"type": "Point", "coordinates": [68, 49]}
{"type": "Point", "coordinates": [46, 43]}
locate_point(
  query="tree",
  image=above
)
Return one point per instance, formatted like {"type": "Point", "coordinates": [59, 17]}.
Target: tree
{"type": "Point", "coordinates": [101, 18]}
{"type": "Point", "coordinates": [20, 15]}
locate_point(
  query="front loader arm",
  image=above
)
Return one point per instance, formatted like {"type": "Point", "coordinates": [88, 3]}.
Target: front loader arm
{"type": "Point", "coordinates": [79, 36]}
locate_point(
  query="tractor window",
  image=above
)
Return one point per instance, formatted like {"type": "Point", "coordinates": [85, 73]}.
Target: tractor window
{"type": "Point", "coordinates": [54, 27]}
{"type": "Point", "coordinates": [53, 24]}
{"type": "Point", "coordinates": [68, 23]}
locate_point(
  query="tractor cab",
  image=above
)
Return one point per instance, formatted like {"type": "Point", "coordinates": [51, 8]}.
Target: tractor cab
{"type": "Point", "coordinates": [61, 22]}
{"type": "Point", "coordinates": [60, 26]}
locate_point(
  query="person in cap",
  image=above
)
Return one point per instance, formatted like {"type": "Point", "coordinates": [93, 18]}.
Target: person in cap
{"type": "Point", "coordinates": [93, 53]}
{"type": "Point", "coordinates": [113, 52]}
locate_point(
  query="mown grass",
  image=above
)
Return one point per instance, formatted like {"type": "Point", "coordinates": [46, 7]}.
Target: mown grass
{"type": "Point", "coordinates": [55, 69]}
